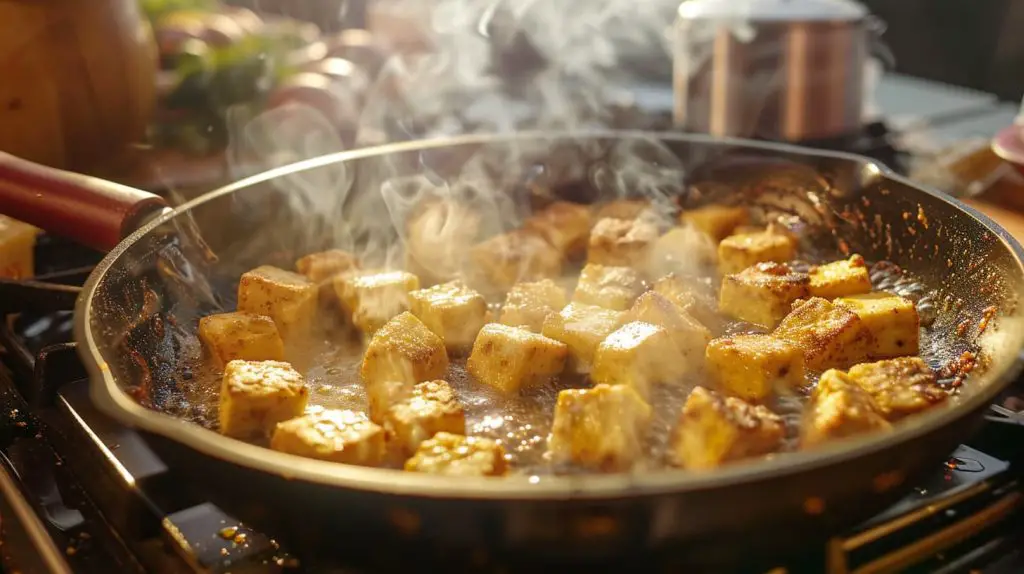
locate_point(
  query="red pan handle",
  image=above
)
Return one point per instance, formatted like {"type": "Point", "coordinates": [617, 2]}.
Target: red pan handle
{"type": "Point", "coordinates": [91, 211]}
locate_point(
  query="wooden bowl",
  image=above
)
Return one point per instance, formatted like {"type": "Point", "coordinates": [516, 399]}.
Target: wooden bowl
{"type": "Point", "coordinates": [77, 80]}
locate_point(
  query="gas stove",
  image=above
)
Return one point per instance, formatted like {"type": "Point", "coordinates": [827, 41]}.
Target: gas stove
{"type": "Point", "coordinates": [80, 493]}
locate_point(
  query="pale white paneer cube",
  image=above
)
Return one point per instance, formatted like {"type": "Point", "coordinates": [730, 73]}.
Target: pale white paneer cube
{"type": "Point", "coordinates": [333, 435]}
{"type": "Point", "coordinates": [840, 278]}
{"type": "Point", "coordinates": [737, 252]}
{"type": "Point", "coordinates": [839, 408]}
{"type": "Point", "coordinates": [688, 334]}
{"type": "Point", "coordinates": [288, 298]}
{"type": "Point", "coordinates": [520, 255]}
{"type": "Point", "coordinates": [892, 321]}
{"type": "Point", "coordinates": [715, 430]}
{"type": "Point", "coordinates": [602, 428]}
{"type": "Point", "coordinates": [900, 387]}
{"type": "Point", "coordinates": [323, 266]}
{"type": "Point", "coordinates": [401, 353]}
{"type": "Point", "coordinates": [510, 359]}
{"type": "Point", "coordinates": [683, 250]}
{"type": "Point", "coordinates": [638, 355]}
{"type": "Point", "coordinates": [675, 289]}
{"type": "Point", "coordinates": [582, 328]}
{"type": "Point", "coordinates": [622, 209]}
{"type": "Point", "coordinates": [240, 335]}
{"type": "Point", "coordinates": [431, 407]}
{"type": "Point", "coordinates": [370, 299]}
{"type": "Point", "coordinates": [753, 367]}
{"type": "Point", "coordinates": [256, 395]}
{"type": "Point", "coordinates": [716, 221]}
{"type": "Point", "coordinates": [438, 237]}
{"type": "Point", "coordinates": [528, 304]}
{"type": "Point", "coordinates": [762, 294]}
{"type": "Point", "coordinates": [17, 246]}
{"type": "Point", "coordinates": [830, 336]}
{"type": "Point", "coordinates": [452, 311]}
{"type": "Point", "coordinates": [621, 242]}
{"type": "Point", "coordinates": [610, 287]}
{"type": "Point", "coordinates": [563, 224]}
{"type": "Point", "coordinates": [450, 454]}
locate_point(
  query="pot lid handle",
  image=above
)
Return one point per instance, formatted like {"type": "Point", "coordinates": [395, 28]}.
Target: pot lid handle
{"type": "Point", "coordinates": [774, 10]}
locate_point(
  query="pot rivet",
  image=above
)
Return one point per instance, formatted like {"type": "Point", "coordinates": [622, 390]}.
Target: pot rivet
{"type": "Point", "coordinates": [814, 505]}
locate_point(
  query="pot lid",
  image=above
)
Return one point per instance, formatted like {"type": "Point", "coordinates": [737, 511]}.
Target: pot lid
{"type": "Point", "coordinates": [773, 10]}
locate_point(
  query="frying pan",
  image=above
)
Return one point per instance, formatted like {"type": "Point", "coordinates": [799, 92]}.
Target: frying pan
{"type": "Point", "coordinates": [138, 311]}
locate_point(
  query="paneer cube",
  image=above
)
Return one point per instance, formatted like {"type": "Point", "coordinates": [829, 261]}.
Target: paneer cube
{"type": "Point", "coordinates": [675, 289]}
{"type": "Point", "coordinates": [716, 221]}
{"type": "Point", "coordinates": [439, 234]}
{"type": "Point", "coordinates": [682, 250]}
{"type": "Point", "coordinates": [715, 430]}
{"type": "Point", "coordinates": [839, 408]}
{"type": "Point", "coordinates": [829, 335]}
{"type": "Point", "coordinates": [602, 428]}
{"type": "Point", "coordinates": [17, 246]}
{"type": "Point", "coordinates": [582, 328]}
{"type": "Point", "coordinates": [563, 224]}
{"type": "Point", "coordinates": [892, 321]}
{"type": "Point", "coordinates": [430, 408]}
{"type": "Point", "coordinates": [621, 242]}
{"type": "Point", "coordinates": [322, 267]}
{"type": "Point", "coordinates": [622, 209]}
{"type": "Point", "coordinates": [520, 255]}
{"type": "Point", "coordinates": [762, 294]}
{"type": "Point", "coordinates": [402, 353]}
{"type": "Point", "coordinates": [333, 435]}
{"type": "Point", "coordinates": [688, 334]}
{"type": "Point", "coordinates": [737, 252]}
{"type": "Point", "coordinates": [840, 278]}
{"type": "Point", "coordinates": [451, 454]}
{"type": "Point", "coordinates": [900, 386]}
{"type": "Point", "coordinates": [528, 304]}
{"type": "Point", "coordinates": [452, 311]}
{"type": "Point", "coordinates": [256, 395]}
{"type": "Point", "coordinates": [610, 287]}
{"type": "Point", "coordinates": [288, 298]}
{"type": "Point", "coordinates": [372, 298]}
{"type": "Point", "coordinates": [638, 355]}
{"type": "Point", "coordinates": [752, 367]}
{"type": "Point", "coordinates": [510, 359]}
{"type": "Point", "coordinates": [240, 335]}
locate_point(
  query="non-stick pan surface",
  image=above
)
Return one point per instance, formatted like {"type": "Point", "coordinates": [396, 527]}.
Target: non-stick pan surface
{"type": "Point", "coordinates": [137, 317]}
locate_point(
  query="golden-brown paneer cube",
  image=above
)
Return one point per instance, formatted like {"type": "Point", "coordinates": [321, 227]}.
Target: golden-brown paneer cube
{"type": "Point", "coordinates": [402, 353]}
{"type": "Point", "coordinates": [682, 250]}
{"type": "Point", "coordinates": [610, 287]}
{"type": "Point", "coordinates": [675, 289]}
{"type": "Point", "coordinates": [900, 386]}
{"type": "Point", "coordinates": [240, 335]}
{"type": "Point", "coordinates": [602, 428]}
{"type": "Point", "coordinates": [256, 395]}
{"type": "Point", "coordinates": [840, 278]}
{"type": "Point", "coordinates": [17, 246]}
{"type": "Point", "coordinates": [715, 430]}
{"type": "Point", "coordinates": [638, 355]}
{"type": "Point", "coordinates": [520, 255]}
{"type": "Point", "coordinates": [688, 334]}
{"type": "Point", "coordinates": [430, 408]}
{"type": "Point", "coordinates": [762, 294]}
{"type": "Point", "coordinates": [451, 310]}
{"type": "Point", "coordinates": [830, 336]}
{"type": "Point", "coordinates": [716, 221]}
{"type": "Point", "coordinates": [839, 408]}
{"type": "Point", "coordinates": [737, 252]}
{"type": "Point", "coordinates": [451, 454]}
{"type": "Point", "coordinates": [622, 209]}
{"type": "Point", "coordinates": [288, 298]}
{"type": "Point", "coordinates": [892, 321]}
{"type": "Point", "coordinates": [333, 435]}
{"type": "Point", "coordinates": [323, 266]}
{"type": "Point", "coordinates": [621, 242]}
{"type": "Point", "coordinates": [510, 359]}
{"type": "Point", "coordinates": [582, 328]}
{"type": "Point", "coordinates": [563, 224]}
{"type": "Point", "coordinates": [752, 367]}
{"type": "Point", "coordinates": [528, 304]}
{"type": "Point", "coordinates": [372, 298]}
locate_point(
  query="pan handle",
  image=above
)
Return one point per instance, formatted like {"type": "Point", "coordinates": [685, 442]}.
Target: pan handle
{"type": "Point", "coordinates": [89, 210]}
